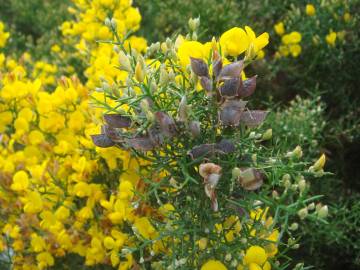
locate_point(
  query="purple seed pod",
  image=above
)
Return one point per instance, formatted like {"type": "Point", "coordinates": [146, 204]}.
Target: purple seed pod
{"type": "Point", "coordinates": [199, 67]}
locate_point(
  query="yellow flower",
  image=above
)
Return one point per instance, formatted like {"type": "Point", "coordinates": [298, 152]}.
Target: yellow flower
{"type": "Point", "coordinates": [34, 203]}
{"type": "Point", "coordinates": [331, 38]}
{"type": "Point", "coordinates": [310, 10]}
{"type": "Point", "coordinates": [234, 41]}
{"type": "Point", "coordinates": [20, 181]}
{"type": "Point", "coordinates": [319, 164]}
{"type": "Point", "coordinates": [292, 38]}
{"type": "Point", "coordinates": [295, 50]}
{"type": "Point", "coordinates": [279, 28]}
{"type": "Point", "coordinates": [255, 254]}
{"type": "Point", "coordinates": [144, 227]}
{"type": "Point", "coordinates": [213, 265]}
{"type": "Point", "coordinates": [189, 49]}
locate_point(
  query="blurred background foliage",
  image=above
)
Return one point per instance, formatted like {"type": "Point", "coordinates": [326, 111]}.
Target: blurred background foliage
{"type": "Point", "coordinates": [314, 97]}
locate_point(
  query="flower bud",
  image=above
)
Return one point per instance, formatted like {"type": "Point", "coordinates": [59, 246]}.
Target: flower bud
{"type": "Point", "coordinates": [323, 212]}
{"type": "Point", "coordinates": [294, 226]}
{"type": "Point", "coordinates": [235, 172]}
{"type": "Point", "coordinates": [140, 70]}
{"type": "Point", "coordinates": [302, 185]}
{"type": "Point", "coordinates": [164, 77]}
{"type": "Point", "coordinates": [296, 153]}
{"type": "Point", "coordinates": [311, 206]}
{"type": "Point", "coordinates": [113, 24]}
{"type": "Point", "coordinates": [319, 164]}
{"type": "Point", "coordinates": [194, 23]}
{"type": "Point", "coordinates": [267, 135]}
{"type": "Point", "coordinates": [302, 213]}
{"type": "Point", "coordinates": [108, 22]}
{"type": "Point", "coordinates": [124, 62]}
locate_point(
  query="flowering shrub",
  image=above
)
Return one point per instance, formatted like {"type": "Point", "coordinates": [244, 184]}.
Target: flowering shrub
{"type": "Point", "coordinates": [153, 161]}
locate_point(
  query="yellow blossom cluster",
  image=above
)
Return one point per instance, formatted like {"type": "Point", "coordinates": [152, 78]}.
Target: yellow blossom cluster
{"type": "Point", "coordinates": [51, 205]}
{"type": "Point", "coordinates": [290, 43]}
{"type": "Point", "coordinates": [89, 27]}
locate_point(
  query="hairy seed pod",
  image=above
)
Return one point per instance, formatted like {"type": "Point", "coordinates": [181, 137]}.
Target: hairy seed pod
{"type": "Point", "coordinates": [117, 120]}
{"type": "Point", "coordinates": [231, 70]}
{"type": "Point", "coordinates": [166, 123]}
{"type": "Point", "coordinates": [101, 140]}
{"type": "Point", "coordinates": [247, 88]}
{"type": "Point", "coordinates": [199, 67]}
{"type": "Point", "coordinates": [230, 112]}
{"type": "Point", "coordinates": [230, 87]}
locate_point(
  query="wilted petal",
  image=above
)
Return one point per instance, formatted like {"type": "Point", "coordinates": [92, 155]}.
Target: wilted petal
{"type": "Point", "coordinates": [117, 120]}
{"type": "Point", "coordinates": [251, 179]}
{"type": "Point", "coordinates": [225, 146]}
{"type": "Point", "coordinates": [202, 150]}
{"type": "Point", "coordinates": [199, 67]}
{"type": "Point", "coordinates": [253, 118]}
{"type": "Point", "coordinates": [206, 169]}
{"type": "Point", "coordinates": [232, 70]}
{"type": "Point", "coordinates": [166, 123]}
{"type": "Point", "coordinates": [101, 140]}
{"type": "Point", "coordinates": [230, 87]}
{"type": "Point", "coordinates": [248, 87]}
{"type": "Point", "coordinates": [141, 143]}
{"type": "Point", "coordinates": [230, 112]}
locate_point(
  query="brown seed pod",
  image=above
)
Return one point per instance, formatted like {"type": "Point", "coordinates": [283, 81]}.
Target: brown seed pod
{"type": "Point", "coordinates": [101, 140]}
{"type": "Point", "coordinates": [230, 112]}
{"type": "Point", "coordinates": [166, 123]}
{"type": "Point", "coordinates": [230, 87]}
{"type": "Point", "coordinates": [117, 120]}
{"type": "Point", "coordinates": [247, 88]}
{"type": "Point", "coordinates": [232, 70]}
{"type": "Point", "coordinates": [199, 67]}
{"type": "Point", "coordinates": [206, 83]}
{"type": "Point", "coordinates": [140, 143]}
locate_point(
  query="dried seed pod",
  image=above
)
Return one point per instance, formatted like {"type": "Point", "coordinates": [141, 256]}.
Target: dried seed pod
{"type": "Point", "coordinates": [232, 70]}
{"type": "Point", "coordinates": [250, 178]}
{"type": "Point", "coordinates": [230, 87]}
{"type": "Point", "coordinates": [230, 112]}
{"type": "Point", "coordinates": [194, 127]}
{"type": "Point", "coordinates": [111, 133]}
{"type": "Point", "coordinates": [166, 123]}
{"type": "Point", "coordinates": [101, 140]}
{"type": "Point", "coordinates": [225, 146]}
{"type": "Point", "coordinates": [117, 120]}
{"type": "Point", "coordinates": [155, 135]}
{"type": "Point", "coordinates": [203, 150]}
{"type": "Point", "coordinates": [140, 143]}
{"type": "Point", "coordinates": [248, 87]}
{"type": "Point", "coordinates": [253, 118]}
{"type": "Point", "coordinates": [206, 83]}
{"type": "Point", "coordinates": [199, 67]}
